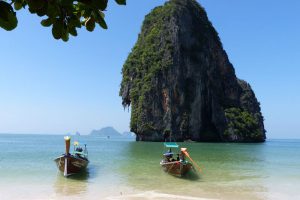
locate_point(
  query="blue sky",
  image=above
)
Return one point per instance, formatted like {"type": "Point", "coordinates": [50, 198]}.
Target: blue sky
{"type": "Point", "coordinates": [51, 87]}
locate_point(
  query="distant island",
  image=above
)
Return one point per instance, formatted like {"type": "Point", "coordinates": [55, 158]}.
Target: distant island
{"type": "Point", "coordinates": [111, 132]}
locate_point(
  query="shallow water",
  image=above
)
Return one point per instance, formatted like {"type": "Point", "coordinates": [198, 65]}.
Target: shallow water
{"type": "Point", "coordinates": [124, 169]}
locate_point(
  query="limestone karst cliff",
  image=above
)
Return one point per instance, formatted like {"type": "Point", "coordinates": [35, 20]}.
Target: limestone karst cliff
{"type": "Point", "coordinates": [179, 81]}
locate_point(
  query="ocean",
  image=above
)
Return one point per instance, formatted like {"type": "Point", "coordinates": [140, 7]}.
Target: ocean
{"type": "Point", "coordinates": [125, 169]}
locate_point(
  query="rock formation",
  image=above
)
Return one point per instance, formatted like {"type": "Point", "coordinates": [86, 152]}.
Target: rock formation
{"type": "Point", "coordinates": [180, 83]}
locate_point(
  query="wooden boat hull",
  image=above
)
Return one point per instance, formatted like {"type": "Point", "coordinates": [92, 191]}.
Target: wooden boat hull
{"type": "Point", "coordinates": [69, 164]}
{"type": "Point", "coordinates": [176, 168]}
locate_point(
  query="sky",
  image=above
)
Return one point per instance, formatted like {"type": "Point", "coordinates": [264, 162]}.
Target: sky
{"type": "Point", "coordinates": [52, 87]}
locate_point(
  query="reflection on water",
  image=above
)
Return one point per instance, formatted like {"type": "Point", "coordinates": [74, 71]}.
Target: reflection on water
{"type": "Point", "coordinates": [75, 184]}
{"type": "Point", "coordinates": [230, 171]}
{"type": "Point", "coordinates": [72, 185]}
{"type": "Point", "coordinates": [69, 188]}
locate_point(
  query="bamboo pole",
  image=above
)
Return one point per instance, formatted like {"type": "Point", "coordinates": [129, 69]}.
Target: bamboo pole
{"type": "Point", "coordinates": [184, 150]}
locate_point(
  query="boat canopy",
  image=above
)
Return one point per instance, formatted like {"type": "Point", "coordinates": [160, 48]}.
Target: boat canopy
{"type": "Point", "coordinates": [171, 145]}
{"type": "Point", "coordinates": [168, 154]}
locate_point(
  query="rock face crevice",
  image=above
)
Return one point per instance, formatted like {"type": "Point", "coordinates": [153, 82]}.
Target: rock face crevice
{"type": "Point", "coordinates": [178, 80]}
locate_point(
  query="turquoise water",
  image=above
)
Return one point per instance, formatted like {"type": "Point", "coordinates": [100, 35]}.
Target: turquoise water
{"type": "Point", "coordinates": [124, 169]}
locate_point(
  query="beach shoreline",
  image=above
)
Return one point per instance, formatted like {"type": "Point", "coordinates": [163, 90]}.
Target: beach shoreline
{"type": "Point", "coordinates": [122, 169]}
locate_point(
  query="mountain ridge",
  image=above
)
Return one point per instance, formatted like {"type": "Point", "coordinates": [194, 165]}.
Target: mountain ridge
{"type": "Point", "coordinates": [110, 131]}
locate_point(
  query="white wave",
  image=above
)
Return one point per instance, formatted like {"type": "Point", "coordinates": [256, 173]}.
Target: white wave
{"type": "Point", "coordinates": [149, 195]}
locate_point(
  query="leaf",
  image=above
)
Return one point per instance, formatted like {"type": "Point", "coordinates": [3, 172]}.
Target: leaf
{"type": "Point", "coordinates": [121, 2]}
{"type": "Point", "coordinates": [42, 11]}
{"type": "Point", "coordinates": [100, 4]}
{"type": "Point", "coordinates": [74, 22]}
{"type": "Point", "coordinates": [101, 22]}
{"type": "Point", "coordinates": [90, 24]}
{"type": "Point", "coordinates": [53, 10]}
{"type": "Point", "coordinates": [46, 22]}
{"type": "Point", "coordinates": [10, 24]}
{"type": "Point", "coordinates": [73, 31]}
{"type": "Point", "coordinates": [18, 5]}
{"type": "Point", "coordinates": [8, 19]}
{"type": "Point", "coordinates": [36, 4]}
{"type": "Point", "coordinates": [66, 2]}
{"type": "Point", "coordinates": [65, 35]}
{"type": "Point", "coordinates": [57, 29]}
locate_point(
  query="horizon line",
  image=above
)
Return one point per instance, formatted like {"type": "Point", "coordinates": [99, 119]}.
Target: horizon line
{"type": "Point", "coordinates": [3, 133]}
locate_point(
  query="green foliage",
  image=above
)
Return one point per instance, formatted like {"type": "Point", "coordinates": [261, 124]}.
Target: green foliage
{"type": "Point", "coordinates": [150, 56]}
{"type": "Point", "coordinates": [65, 16]}
{"type": "Point", "coordinates": [121, 2]}
{"type": "Point", "coordinates": [8, 19]}
{"type": "Point", "coordinates": [242, 124]}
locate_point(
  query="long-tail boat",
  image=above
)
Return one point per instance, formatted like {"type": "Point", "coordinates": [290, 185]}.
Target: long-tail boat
{"type": "Point", "coordinates": [72, 163]}
{"type": "Point", "coordinates": [178, 166]}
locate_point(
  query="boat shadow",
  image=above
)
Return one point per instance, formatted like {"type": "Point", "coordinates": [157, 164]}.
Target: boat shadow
{"type": "Point", "coordinates": [89, 173]}
{"type": "Point", "coordinates": [191, 176]}
{"type": "Point", "coordinates": [82, 176]}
